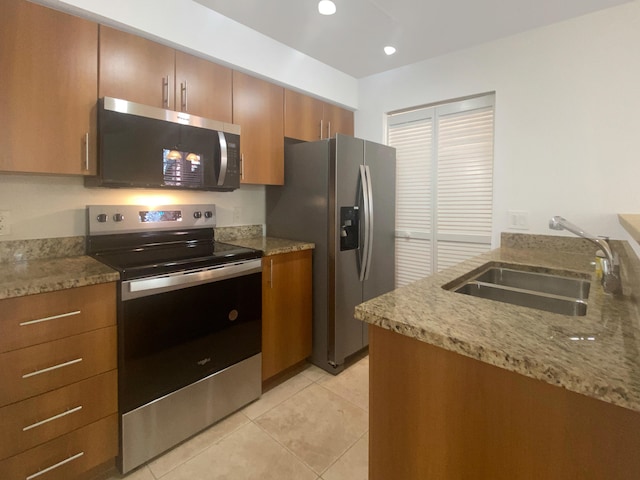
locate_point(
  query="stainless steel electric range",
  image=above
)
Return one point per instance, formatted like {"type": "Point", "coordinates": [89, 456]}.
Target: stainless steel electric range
{"type": "Point", "coordinates": [189, 322]}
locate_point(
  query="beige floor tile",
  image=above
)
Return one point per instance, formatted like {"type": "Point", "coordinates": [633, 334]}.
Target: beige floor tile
{"type": "Point", "coordinates": [275, 396]}
{"type": "Point", "coordinates": [246, 454]}
{"type": "Point", "coordinates": [142, 473]}
{"type": "Point", "coordinates": [351, 384]}
{"type": "Point", "coordinates": [353, 465]}
{"type": "Point", "coordinates": [316, 425]}
{"type": "Point", "coordinates": [315, 373]}
{"type": "Point", "coordinates": [197, 444]}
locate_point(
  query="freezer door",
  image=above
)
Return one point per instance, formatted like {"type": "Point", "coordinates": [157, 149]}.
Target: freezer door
{"type": "Point", "coordinates": [345, 332]}
{"type": "Point", "coordinates": [299, 210]}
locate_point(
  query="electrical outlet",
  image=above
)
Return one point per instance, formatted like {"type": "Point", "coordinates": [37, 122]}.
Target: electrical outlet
{"type": "Point", "coordinates": [237, 213]}
{"type": "Point", "coordinates": [5, 222]}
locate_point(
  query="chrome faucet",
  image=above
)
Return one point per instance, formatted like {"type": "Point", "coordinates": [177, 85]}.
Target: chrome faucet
{"type": "Point", "coordinates": [610, 268]}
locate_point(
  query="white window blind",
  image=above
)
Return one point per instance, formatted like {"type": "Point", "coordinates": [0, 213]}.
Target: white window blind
{"type": "Point", "coordinates": [444, 161]}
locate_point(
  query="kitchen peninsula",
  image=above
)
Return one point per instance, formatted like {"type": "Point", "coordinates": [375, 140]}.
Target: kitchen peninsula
{"type": "Point", "coordinates": [464, 387]}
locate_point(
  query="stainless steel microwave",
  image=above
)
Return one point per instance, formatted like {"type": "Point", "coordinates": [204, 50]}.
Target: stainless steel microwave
{"type": "Point", "coordinates": [144, 146]}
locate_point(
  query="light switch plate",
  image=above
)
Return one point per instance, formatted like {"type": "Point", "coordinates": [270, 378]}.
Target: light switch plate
{"type": "Point", "coordinates": [518, 219]}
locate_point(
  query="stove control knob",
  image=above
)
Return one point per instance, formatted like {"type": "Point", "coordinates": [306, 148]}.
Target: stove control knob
{"type": "Point", "coordinates": [208, 214]}
{"type": "Point", "coordinates": [118, 217]}
{"type": "Point", "coordinates": [102, 218]}
{"type": "Point", "coordinates": [197, 214]}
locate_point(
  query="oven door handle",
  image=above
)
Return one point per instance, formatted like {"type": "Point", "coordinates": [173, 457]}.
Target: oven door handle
{"type": "Point", "coordinates": [175, 281]}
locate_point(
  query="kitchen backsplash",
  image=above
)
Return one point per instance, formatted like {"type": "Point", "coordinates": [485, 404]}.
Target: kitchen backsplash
{"type": "Point", "coordinates": [23, 250]}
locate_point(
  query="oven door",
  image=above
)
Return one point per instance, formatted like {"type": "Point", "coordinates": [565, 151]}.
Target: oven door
{"type": "Point", "coordinates": [177, 329]}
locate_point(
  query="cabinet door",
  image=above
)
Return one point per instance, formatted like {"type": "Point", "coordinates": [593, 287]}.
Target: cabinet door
{"type": "Point", "coordinates": [286, 311]}
{"type": "Point", "coordinates": [337, 120]}
{"type": "Point", "coordinates": [203, 88]}
{"type": "Point", "coordinates": [258, 107]}
{"type": "Point", "coordinates": [135, 69]}
{"type": "Point", "coordinates": [47, 90]}
{"type": "Point", "coordinates": [302, 117]}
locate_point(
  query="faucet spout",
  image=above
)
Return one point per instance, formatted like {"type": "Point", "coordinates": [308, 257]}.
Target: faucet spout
{"type": "Point", "coordinates": [610, 277]}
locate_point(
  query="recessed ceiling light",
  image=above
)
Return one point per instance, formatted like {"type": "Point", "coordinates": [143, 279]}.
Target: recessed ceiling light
{"type": "Point", "coordinates": [326, 7]}
{"type": "Point", "coordinates": [389, 50]}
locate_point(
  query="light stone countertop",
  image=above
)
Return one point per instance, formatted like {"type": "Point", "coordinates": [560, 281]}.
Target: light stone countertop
{"type": "Point", "coordinates": [631, 223]}
{"type": "Point", "coordinates": [29, 277]}
{"type": "Point", "coordinates": [523, 340]}
{"type": "Point", "coordinates": [270, 245]}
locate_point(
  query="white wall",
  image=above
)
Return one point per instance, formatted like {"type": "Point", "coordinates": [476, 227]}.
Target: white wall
{"type": "Point", "coordinates": [48, 207]}
{"type": "Point", "coordinates": [567, 116]}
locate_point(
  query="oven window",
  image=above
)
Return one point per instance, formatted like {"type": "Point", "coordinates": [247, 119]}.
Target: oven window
{"type": "Point", "coordinates": [172, 339]}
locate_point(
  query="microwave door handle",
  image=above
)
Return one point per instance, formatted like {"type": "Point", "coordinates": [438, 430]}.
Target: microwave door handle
{"type": "Point", "coordinates": [223, 158]}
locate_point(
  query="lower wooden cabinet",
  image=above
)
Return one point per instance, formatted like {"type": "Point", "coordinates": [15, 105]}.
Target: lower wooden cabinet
{"type": "Point", "coordinates": [67, 457]}
{"type": "Point", "coordinates": [286, 311]}
{"type": "Point", "coordinates": [58, 384]}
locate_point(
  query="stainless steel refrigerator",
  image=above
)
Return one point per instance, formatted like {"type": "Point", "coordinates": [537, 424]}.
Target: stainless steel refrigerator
{"type": "Point", "coordinates": [340, 194]}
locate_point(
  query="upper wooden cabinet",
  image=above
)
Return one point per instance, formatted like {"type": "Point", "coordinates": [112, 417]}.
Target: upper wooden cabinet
{"type": "Point", "coordinates": [258, 109]}
{"type": "Point", "coordinates": [309, 119]}
{"type": "Point", "coordinates": [47, 90]}
{"type": "Point", "coordinates": [203, 88]}
{"type": "Point", "coordinates": [139, 70]}
{"type": "Point", "coordinates": [337, 120]}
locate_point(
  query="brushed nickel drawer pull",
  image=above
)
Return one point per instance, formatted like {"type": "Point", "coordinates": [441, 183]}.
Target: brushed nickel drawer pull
{"type": "Point", "coordinates": [86, 151]}
{"type": "Point", "coordinates": [53, 467]}
{"type": "Point", "coordinates": [53, 317]}
{"type": "Point", "coordinates": [55, 417]}
{"type": "Point", "coordinates": [55, 367]}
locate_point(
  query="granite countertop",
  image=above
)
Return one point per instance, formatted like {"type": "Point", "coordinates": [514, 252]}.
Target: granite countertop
{"type": "Point", "coordinates": [28, 277]}
{"type": "Point", "coordinates": [270, 245]}
{"type": "Point", "coordinates": [631, 223]}
{"type": "Point", "coordinates": [604, 365]}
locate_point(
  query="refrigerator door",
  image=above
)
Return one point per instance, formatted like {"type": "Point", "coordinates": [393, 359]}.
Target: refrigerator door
{"type": "Point", "coordinates": [345, 332]}
{"type": "Point", "coordinates": [381, 161]}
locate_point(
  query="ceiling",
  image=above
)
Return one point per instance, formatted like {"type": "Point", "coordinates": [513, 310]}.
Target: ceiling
{"type": "Point", "coordinates": [353, 39]}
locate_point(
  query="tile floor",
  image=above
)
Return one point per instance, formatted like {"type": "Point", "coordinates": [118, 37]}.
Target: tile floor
{"type": "Point", "coordinates": [312, 426]}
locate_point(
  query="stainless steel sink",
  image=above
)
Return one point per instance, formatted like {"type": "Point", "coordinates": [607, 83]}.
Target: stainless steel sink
{"type": "Point", "coordinates": [543, 291]}
{"type": "Point", "coordinates": [576, 288]}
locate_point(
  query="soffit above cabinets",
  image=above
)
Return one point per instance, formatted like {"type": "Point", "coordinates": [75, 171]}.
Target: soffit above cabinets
{"type": "Point", "coordinates": [352, 40]}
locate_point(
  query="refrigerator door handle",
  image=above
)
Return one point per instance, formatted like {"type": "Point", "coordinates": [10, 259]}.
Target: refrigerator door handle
{"type": "Point", "coordinates": [364, 182]}
{"type": "Point", "coordinates": [369, 223]}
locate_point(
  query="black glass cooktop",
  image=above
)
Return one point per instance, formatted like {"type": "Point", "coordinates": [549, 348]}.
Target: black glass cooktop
{"type": "Point", "coordinates": [137, 255]}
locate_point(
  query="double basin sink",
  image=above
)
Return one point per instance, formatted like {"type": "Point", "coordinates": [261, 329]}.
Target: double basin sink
{"type": "Point", "coordinates": [552, 292]}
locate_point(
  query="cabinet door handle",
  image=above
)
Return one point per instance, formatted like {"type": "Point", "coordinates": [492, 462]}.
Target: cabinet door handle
{"type": "Point", "coordinates": [86, 151]}
{"type": "Point", "coordinates": [55, 417]}
{"type": "Point", "coordinates": [49, 369]}
{"type": "Point", "coordinates": [271, 273]}
{"type": "Point", "coordinates": [165, 91]}
{"type": "Point", "coordinates": [328, 129]}
{"type": "Point", "coordinates": [47, 319]}
{"type": "Point", "coordinates": [53, 467]}
{"type": "Point", "coordinates": [321, 130]}
{"type": "Point", "coordinates": [183, 96]}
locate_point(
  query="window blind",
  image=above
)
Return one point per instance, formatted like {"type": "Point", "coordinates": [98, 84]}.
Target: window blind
{"type": "Point", "coordinates": [444, 190]}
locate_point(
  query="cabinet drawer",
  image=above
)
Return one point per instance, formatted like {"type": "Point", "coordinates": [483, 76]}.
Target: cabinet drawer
{"type": "Point", "coordinates": [65, 457]}
{"type": "Point", "coordinates": [40, 419]}
{"type": "Point", "coordinates": [34, 370]}
{"type": "Point", "coordinates": [34, 319]}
